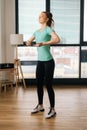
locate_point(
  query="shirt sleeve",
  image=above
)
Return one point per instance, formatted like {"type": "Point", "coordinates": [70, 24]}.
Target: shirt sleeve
{"type": "Point", "coordinates": [50, 30]}
{"type": "Point", "coordinates": [34, 34]}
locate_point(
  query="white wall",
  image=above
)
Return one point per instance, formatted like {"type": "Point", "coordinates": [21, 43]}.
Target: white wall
{"type": "Point", "coordinates": [2, 31]}
{"type": "Point", "coordinates": [7, 26]}
{"type": "Point", "coordinates": [10, 28]}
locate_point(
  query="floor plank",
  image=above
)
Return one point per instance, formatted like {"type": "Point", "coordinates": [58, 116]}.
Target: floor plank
{"type": "Point", "coordinates": [71, 108]}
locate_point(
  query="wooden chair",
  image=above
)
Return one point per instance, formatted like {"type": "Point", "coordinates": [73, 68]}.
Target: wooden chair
{"type": "Point", "coordinates": [6, 78]}
{"type": "Point", "coordinates": [4, 84]}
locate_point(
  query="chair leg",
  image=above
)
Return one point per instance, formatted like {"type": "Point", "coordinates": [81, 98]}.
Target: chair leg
{"type": "Point", "coordinates": [11, 87]}
{"type": "Point", "coordinates": [5, 88]}
{"type": "Point", "coordinates": [0, 89]}
{"type": "Point", "coordinates": [5, 85]}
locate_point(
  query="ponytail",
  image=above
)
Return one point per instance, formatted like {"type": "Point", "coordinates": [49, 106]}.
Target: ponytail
{"type": "Point", "coordinates": [50, 21]}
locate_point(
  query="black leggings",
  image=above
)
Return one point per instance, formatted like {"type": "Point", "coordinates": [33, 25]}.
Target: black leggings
{"type": "Point", "coordinates": [45, 71]}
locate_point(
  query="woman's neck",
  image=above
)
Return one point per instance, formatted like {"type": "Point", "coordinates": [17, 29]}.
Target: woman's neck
{"type": "Point", "coordinates": [43, 26]}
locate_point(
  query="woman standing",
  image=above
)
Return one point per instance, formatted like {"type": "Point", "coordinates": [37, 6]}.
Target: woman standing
{"type": "Point", "coordinates": [45, 36]}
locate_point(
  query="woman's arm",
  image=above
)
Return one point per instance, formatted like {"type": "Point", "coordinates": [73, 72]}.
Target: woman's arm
{"type": "Point", "coordinates": [54, 40]}
{"type": "Point", "coordinates": [28, 43]}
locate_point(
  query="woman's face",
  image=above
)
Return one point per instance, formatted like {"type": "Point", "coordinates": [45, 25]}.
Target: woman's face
{"type": "Point", "coordinates": [43, 18]}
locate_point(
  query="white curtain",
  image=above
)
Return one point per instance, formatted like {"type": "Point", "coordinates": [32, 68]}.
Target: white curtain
{"type": "Point", "coordinates": [67, 20]}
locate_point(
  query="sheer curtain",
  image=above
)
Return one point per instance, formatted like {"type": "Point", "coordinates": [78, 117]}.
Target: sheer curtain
{"type": "Point", "coordinates": [29, 11]}
{"type": "Point", "coordinates": [67, 20]}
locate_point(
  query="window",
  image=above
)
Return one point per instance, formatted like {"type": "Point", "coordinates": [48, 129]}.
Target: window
{"type": "Point", "coordinates": [67, 20]}
{"type": "Point", "coordinates": [66, 61]}
{"type": "Point", "coordinates": [85, 22]}
{"type": "Point", "coordinates": [28, 57]}
{"type": "Point", "coordinates": [83, 62]}
{"type": "Point", "coordinates": [28, 11]}
{"type": "Point", "coordinates": [69, 54]}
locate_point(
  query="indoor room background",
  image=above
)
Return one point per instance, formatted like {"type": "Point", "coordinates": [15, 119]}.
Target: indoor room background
{"type": "Point", "coordinates": [21, 16]}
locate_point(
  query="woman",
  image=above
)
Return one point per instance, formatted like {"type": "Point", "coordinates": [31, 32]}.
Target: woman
{"type": "Point", "coordinates": [45, 36]}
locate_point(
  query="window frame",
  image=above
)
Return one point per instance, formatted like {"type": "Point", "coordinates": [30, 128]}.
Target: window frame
{"type": "Point", "coordinates": [82, 43]}
{"type": "Point", "coordinates": [48, 9]}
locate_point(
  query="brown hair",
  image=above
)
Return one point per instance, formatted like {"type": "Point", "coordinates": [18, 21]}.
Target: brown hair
{"type": "Point", "coordinates": [49, 15]}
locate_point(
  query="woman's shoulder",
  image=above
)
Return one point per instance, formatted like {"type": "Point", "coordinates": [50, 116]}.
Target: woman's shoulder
{"type": "Point", "coordinates": [49, 29]}
{"type": "Point", "coordinates": [36, 31]}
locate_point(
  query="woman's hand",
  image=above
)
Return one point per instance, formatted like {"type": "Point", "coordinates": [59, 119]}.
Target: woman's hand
{"type": "Point", "coordinates": [28, 43]}
{"type": "Point", "coordinates": [39, 44]}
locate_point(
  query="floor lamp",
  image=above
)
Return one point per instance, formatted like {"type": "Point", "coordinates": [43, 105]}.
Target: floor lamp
{"type": "Point", "coordinates": [15, 40]}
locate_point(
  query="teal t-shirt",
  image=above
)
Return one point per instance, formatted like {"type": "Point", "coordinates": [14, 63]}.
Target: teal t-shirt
{"type": "Point", "coordinates": [44, 53]}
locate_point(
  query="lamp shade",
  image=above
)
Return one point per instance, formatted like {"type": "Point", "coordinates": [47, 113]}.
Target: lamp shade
{"type": "Point", "coordinates": [16, 39]}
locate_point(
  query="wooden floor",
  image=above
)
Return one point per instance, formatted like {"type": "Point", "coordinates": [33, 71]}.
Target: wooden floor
{"type": "Point", "coordinates": [71, 108]}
